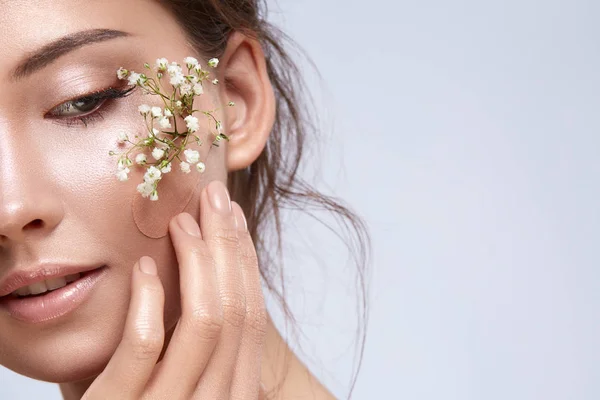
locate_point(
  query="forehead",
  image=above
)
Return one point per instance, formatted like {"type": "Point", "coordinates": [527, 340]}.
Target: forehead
{"type": "Point", "coordinates": [26, 26]}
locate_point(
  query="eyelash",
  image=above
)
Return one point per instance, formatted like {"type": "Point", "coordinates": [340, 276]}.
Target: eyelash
{"type": "Point", "coordinates": [96, 114]}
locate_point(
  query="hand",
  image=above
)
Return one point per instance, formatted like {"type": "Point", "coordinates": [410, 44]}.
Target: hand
{"type": "Point", "coordinates": [216, 348]}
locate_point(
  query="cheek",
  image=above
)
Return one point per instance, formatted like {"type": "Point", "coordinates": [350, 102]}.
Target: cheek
{"type": "Point", "coordinates": [177, 191]}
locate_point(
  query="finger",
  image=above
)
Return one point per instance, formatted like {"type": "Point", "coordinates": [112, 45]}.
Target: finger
{"type": "Point", "coordinates": [199, 327]}
{"type": "Point", "coordinates": [245, 383]}
{"type": "Point", "coordinates": [220, 233]}
{"type": "Point", "coordinates": [130, 367]}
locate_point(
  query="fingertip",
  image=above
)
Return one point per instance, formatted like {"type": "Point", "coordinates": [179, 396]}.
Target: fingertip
{"type": "Point", "coordinates": [147, 266]}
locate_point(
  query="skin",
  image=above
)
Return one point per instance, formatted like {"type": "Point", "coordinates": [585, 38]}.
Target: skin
{"type": "Point", "coordinates": [202, 317]}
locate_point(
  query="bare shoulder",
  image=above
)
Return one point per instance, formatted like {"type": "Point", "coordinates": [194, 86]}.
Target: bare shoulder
{"type": "Point", "coordinates": [283, 374]}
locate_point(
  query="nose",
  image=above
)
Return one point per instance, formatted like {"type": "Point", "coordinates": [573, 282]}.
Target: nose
{"type": "Point", "coordinates": [26, 216]}
{"type": "Point", "coordinates": [29, 203]}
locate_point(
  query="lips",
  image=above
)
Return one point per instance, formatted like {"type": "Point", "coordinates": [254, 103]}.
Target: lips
{"type": "Point", "coordinates": [53, 305]}
{"type": "Point", "coordinates": [22, 278]}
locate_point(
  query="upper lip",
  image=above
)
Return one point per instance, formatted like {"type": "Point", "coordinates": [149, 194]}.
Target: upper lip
{"type": "Point", "coordinates": [42, 272]}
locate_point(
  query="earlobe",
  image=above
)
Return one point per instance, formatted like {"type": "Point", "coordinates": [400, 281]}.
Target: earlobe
{"type": "Point", "coordinates": [247, 84]}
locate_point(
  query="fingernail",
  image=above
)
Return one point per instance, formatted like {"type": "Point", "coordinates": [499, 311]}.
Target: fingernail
{"type": "Point", "coordinates": [188, 224]}
{"type": "Point", "coordinates": [240, 219]}
{"type": "Point", "coordinates": [219, 197]}
{"type": "Point", "coordinates": [147, 265]}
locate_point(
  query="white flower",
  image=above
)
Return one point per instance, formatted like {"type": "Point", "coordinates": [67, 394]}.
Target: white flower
{"type": "Point", "coordinates": [164, 122]}
{"type": "Point", "coordinates": [231, 104]}
{"type": "Point", "coordinates": [201, 167]}
{"type": "Point", "coordinates": [192, 123]}
{"type": "Point", "coordinates": [156, 112]}
{"type": "Point", "coordinates": [185, 89]}
{"type": "Point", "coordinates": [134, 78]}
{"type": "Point", "coordinates": [154, 196]}
{"type": "Point", "coordinates": [144, 109]}
{"type": "Point", "coordinates": [215, 81]}
{"type": "Point", "coordinates": [145, 189]}
{"type": "Point", "coordinates": [168, 113]}
{"type": "Point", "coordinates": [213, 62]}
{"type": "Point", "coordinates": [198, 90]}
{"type": "Point", "coordinates": [122, 73]}
{"type": "Point", "coordinates": [140, 159]}
{"type": "Point", "coordinates": [191, 62]}
{"type": "Point", "coordinates": [158, 153]}
{"type": "Point", "coordinates": [152, 175]}
{"type": "Point", "coordinates": [177, 80]}
{"type": "Point", "coordinates": [166, 169]}
{"type": "Point", "coordinates": [173, 68]}
{"type": "Point", "coordinates": [161, 64]}
{"type": "Point", "coordinates": [185, 167]}
{"type": "Point", "coordinates": [155, 132]}
{"type": "Point", "coordinates": [122, 174]}
{"type": "Point", "coordinates": [177, 77]}
{"type": "Point", "coordinates": [191, 156]}
{"type": "Point", "coordinates": [122, 137]}
{"type": "Point", "coordinates": [178, 104]}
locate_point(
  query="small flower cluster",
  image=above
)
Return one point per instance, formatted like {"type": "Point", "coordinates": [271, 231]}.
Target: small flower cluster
{"type": "Point", "coordinates": [166, 143]}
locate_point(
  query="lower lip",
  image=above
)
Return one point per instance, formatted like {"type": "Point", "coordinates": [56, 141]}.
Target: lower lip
{"type": "Point", "coordinates": [53, 304]}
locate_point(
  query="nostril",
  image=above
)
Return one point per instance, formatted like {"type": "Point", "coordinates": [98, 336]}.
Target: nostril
{"type": "Point", "coordinates": [36, 223]}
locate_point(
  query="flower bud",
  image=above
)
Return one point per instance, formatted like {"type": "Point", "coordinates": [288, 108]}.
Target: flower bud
{"type": "Point", "coordinates": [140, 159]}
{"type": "Point", "coordinates": [122, 73]}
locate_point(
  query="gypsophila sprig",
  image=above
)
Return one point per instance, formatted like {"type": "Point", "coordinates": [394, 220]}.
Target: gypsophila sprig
{"type": "Point", "coordinates": [164, 142]}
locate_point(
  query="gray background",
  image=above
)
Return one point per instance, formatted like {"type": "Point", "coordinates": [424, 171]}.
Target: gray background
{"type": "Point", "coordinates": [466, 134]}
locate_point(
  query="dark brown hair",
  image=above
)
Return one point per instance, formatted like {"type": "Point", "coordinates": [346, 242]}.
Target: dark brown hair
{"type": "Point", "coordinates": [272, 182]}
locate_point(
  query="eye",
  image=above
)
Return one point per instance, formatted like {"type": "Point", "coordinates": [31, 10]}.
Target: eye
{"type": "Point", "coordinates": [77, 107]}
{"type": "Point", "coordinates": [87, 108]}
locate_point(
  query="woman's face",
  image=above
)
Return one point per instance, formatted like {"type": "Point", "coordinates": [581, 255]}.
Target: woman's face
{"type": "Point", "coordinates": [60, 201]}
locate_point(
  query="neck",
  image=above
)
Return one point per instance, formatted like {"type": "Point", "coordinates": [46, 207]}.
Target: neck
{"type": "Point", "coordinates": [281, 372]}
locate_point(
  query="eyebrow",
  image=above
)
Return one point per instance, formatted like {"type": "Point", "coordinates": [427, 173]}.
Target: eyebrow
{"type": "Point", "coordinates": [50, 52]}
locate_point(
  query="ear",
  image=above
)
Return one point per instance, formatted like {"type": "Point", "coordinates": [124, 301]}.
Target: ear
{"type": "Point", "coordinates": [248, 123]}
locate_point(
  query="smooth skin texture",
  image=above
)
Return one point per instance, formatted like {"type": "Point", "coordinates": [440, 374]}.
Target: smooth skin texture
{"type": "Point", "coordinates": [60, 202]}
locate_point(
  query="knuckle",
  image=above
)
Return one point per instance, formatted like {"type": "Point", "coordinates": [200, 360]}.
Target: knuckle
{"type": "Point", "coordinates": [206, 322]}
{"type": "Point", "coordinates": [153, 289]}
{"type": "Point", "coordinates": [146, 343]}
{"type": "Point", "coordinates": [248, 257]}
{"type": "Point", "coordinates": [225, 237]}
{"type": "Point", "coordinates": [234, 309]}
{"type": "Point", "coordinates": [256, 322]}
{"type": "Point", "coordinates": [202, 253]}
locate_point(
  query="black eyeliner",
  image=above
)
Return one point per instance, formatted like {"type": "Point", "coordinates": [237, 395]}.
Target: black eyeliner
{"type": "Point", "coordinates": [110, 93]}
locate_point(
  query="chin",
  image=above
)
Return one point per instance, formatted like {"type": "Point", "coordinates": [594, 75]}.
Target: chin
{"type": "Point", "coordinates": [76, 362]}
{"type": "Point", "coordinates": [72, 351]}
